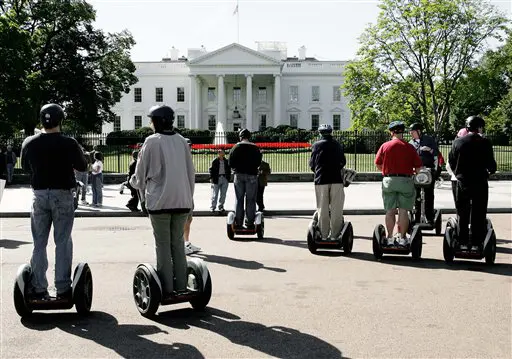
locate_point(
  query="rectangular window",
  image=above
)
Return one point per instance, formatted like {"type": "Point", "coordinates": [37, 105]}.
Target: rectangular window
{"type": "Point", "coordinates": [181, 94]}
{"type": "Point", "coordinates": [315, 122]}
{"type": "Point", "coordinates": [262, 95]}
{"type": "Point", "coordinates": [294, 94]}
{"type": "Point", "coordinates": [315, 93]}
{"type": "Point", "coordinates": [117, 123]}
{"type": "Point", "coordinates": [294, 120]}
{"type": "Point", "coordinates": [181, 121]}
{"type": "Point", "coordinates": [159, 94]}
{"type": "Point", "coordinates": [211, 94]}
{"type": "Point", "coordinates": [137, 122]}
{"type": "Point", "coordinates": [236, 127]}
{"type": "Point", "coordinates": [263, 122]}
{"type": "Point", "coordinates": [237, 94]}
{"type": "Point", "coordinates": [336, 122]}
{"type": "Point", "coordinates": [212, 122]}
{"type": "Point", "coordinates": [137, 94]}
{"type": "Point", "coordinates": [336, 94]}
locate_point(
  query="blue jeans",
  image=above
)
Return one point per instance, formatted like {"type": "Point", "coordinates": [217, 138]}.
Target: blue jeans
{"type": "Point", "coordinates": [222, 186]}
{"type": "Point", "coordinates": [57, 207]}
{"type": "Point", "coordinates": [97, 188]}
{"type": "Point", "coordinates": [10, 172]}
{"type": "Point", "coordinates": [82, 177]}
{"type": "Point", "coordinates": [246, 188]}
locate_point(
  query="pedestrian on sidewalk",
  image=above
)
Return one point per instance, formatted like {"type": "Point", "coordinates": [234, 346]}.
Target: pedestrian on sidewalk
{"type": "Point", "coordinates": [165, 178]}
{"type": "Point", "coordinates": [220, 175]}
{"type": "Point", "coordinates": [50, 158]}
{"type": "Point", "coordinates": [83, 176]}
{"type": "Point", "coordinates": [10, 160]}
{"type": "Point", "coordinates": [133, 202]}
{"type": "Point", "coordinates": [189, 247]}
{"type": "Point", "coordinates": [327, 162]}
{"type": "Point", "coordinates": [97, 180]}
{"type": "Point", "coordinates": [263, 172]}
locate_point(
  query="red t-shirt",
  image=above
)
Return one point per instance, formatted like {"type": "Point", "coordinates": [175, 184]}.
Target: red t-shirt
{"type": "Point", "coordinates": [397, 157]}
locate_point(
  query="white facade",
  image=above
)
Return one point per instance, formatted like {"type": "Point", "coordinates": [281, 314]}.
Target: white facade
{"type": "Point", "coordinates": [266, 88]}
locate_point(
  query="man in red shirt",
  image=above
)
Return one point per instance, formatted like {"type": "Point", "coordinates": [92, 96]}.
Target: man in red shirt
{"type": "Point", "coordinates": [398, 162]}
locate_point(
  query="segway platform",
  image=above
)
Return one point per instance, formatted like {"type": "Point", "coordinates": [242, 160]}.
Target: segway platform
{"type": "Point", "coordinates": [453, 249]}
{"type": "Point", "coordinates": [422, 180]}
{"type": "Point", "coordinates": [344, 241]}
{"type": "Point", "coordinates": [148, 294]}
{"type": "Point", "coordinates": [380, 245]}
{"type": "Point", "coordinates": [82, 292]}
{"type": "Point", "coordinates": [258, 229]}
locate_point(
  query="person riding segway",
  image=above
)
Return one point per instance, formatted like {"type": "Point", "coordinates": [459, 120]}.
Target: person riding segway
{"type": "Point", "coordinates": [424, 213]}
{"type": "Point", "coordinates": [245, 159]}
{"type": "Point", "coordinates": [471, 159]}
{"type": "Point", "coordinates": [328, 228]}
{"type": "Point", "coordinates": [51, 159]}
{"type": "Point", "coordinates": [398, 162]}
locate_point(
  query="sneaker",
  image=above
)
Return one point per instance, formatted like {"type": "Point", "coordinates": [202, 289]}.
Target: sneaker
{"type": "Point", "coordinates": [84, 202]}
{"type": "Point", "coordinates": [390, 241]}
{"type": "Point", "coordinates": [463, 247]}
{"type": "Point", "coordinates": [67, 295]}
{"type": "Point", "coordinates": [475, 249]}
{"type": "Point", "coordinates": [40, 296]}
{"type": "Point", "coordinates": [188, 250]}
{"type": "Point", "coordinates": [194, 248]}
{"type": "Point", "coordinates": [403, 242]}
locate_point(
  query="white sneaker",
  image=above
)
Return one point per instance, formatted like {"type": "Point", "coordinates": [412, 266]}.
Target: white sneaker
{"type": "Point", "coordinates": [84, 202]}
{"type": "Point", "coordinates": [391, 241]}
{"type": "Point", "coordinates": [188, 250]}
{"type": "Point", "coordinates": [403, 242]}
{"type": "Point", "coordinates": [194, 248]}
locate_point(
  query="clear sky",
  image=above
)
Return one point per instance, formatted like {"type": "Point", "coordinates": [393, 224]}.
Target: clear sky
{"type": "Point", "coordinates": [329, 29]}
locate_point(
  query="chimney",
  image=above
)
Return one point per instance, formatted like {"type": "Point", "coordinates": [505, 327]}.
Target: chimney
{"type": "Point", "coordinates": [302, 53]}
{"type": "Point", "coordinates": [175, 53]}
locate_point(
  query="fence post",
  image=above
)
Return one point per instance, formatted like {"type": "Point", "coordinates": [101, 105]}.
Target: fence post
{"type": "Point", "coordinates": [118, 160]}
{"type": "Point", "coordinates": [355, 150]}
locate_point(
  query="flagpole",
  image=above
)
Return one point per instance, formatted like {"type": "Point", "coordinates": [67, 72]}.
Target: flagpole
{"type": "Point", "coordinates": [237, 23]}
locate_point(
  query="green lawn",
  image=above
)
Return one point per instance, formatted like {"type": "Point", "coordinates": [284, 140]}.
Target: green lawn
{"type": "Point", "coordinates": [298, 162]}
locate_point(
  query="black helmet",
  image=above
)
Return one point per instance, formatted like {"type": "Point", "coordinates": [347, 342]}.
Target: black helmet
{"type": "Point", "coordinates": [325, 129]}
{"type": "Point", "coordinates": [244, 133]}
{"type": "Point", "coordinates": [162, 117]}
{"type": "Point", "coordinates": [416, 127]}
{"type": "Point", "coordinates": [397, 127]}
{"type": "Point", "coordinates": [51, 115]}
{"type": "Point", "coordinates": [473, 123]}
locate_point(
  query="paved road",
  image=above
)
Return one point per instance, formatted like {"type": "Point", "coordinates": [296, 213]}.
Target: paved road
{"type": "Point", "coordinates": [271, 298]}
{"type": "Point", "coordinates": [278, 197]}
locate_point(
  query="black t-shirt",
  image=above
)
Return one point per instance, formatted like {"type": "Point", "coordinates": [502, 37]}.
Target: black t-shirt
{"type": "Point", "coordinates": [50, 159]}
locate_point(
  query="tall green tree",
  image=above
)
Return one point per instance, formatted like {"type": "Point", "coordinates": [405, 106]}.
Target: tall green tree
{"type": "Point", "coordinates": [411, 61]}
{"type": "Point", "coordinates": [65, 60]}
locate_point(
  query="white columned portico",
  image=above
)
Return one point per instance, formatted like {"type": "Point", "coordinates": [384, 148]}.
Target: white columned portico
{"type": "Point", "coordinates": [221, 102]}
{"type": "Point", "coordinates": [248, 107]}
{"type": "Point", "coordinates": [277, 100]}
{"type": "Point", "coordinates": [198, 103]}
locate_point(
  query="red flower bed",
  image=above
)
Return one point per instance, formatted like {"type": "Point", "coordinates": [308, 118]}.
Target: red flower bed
{"type": "Point", "coordinates": [270, 145]}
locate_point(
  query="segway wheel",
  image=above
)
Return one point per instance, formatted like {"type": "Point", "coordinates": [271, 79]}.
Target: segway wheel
{"type": "Point", "coordinates": [378, 234]}
{"type": "Point", "coordinates": [260, 231]}
{"type": "Point", "coordinates": [231, 233]}
{"type": "Point", "coordinates": [348, 239]}
{"type": "Point", "coordinates": [200, 302]}
{"type": "Point", "coordinates": [311, 243]}
{"type": "Point", "coordinates": [416, 242]}
{"type": "Point", "coordinates": [439, 223]}
{"type": "Point", "coordinates": [146, 292]}
{"type": "Point", "coordinates": [20, 304]}
{"type": "Point", "coordinates": [490, 250]}
{"type": "Point", "coordinates": [82, 294]}
{"type": "Point", "coordinates": [315, 217]}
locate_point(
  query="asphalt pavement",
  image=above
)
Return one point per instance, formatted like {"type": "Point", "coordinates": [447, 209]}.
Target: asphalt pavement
{"type": "Point", "coordinates": [271, 298]}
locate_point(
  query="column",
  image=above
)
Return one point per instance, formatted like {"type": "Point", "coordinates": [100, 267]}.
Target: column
{"type": "Point", "coordinates": [198, 104]}
{"type": "Point", "coordinates": [248, 105]}
{"type": "Point", "coordinates": [191, 98]}
{"type": "Point", "coordinates": [221, 102]}
{"type": "Point", "coordinates": [277, 100]}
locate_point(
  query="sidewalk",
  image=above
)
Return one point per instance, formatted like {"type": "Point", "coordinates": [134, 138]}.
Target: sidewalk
{"type": "Point", "coordinates": [280, 199]}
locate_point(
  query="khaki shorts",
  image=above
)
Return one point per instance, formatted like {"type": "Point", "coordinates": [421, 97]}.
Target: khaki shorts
{"type": "Point", "coordinates": [398, 192]}
{"type": "Point", "coordinates": [190, 214]}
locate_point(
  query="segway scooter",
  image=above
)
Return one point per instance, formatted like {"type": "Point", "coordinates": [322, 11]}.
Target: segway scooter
{"type": "Point", "coordinates": [453, 249]}
{"type": "Point", "coordinates": [81, 293]}
{"type": "Point", "coordinates": [345, 240]}
{"type": "Point", "coordinates": [258, 229]}
{"type": "Point", "coordinates": [147, 288]}
{"type": "Point", "coordinates": [422, 180]}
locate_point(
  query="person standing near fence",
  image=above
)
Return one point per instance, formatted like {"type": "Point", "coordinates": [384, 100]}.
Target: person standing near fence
{"type": "Point", "coordinates": [220, 175]}
{"type": "Point", "coordinates": [263, 172]}
{"type": "Point", "coordinates": [83, 176]}
{"type": "Point", "coordinates": [133, 202]}
{"type": "Point", "coordinates": [50, 158]}
{"type": "Point", "coordinates": [97, 180]}
{"type": "Point", "coordinates": [10, 160]}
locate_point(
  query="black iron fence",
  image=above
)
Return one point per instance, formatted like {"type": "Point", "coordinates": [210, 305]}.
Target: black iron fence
{"type": "Point", "coordinates": [288, 151]}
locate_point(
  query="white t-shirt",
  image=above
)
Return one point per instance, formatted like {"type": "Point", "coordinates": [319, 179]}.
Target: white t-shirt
{"type": "Point", "coordinates": [97, 167]}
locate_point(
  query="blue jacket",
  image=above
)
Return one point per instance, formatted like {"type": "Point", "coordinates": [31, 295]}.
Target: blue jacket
{"type": "Point", "coordinates": [426, 157]}
{"type": "Point", "coordinates": [327, 160]}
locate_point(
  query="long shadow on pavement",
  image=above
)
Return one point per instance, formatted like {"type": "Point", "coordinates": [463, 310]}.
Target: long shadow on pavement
{"type": "Point", "coordinates": [237, 263]}
{"type": "Point", "coordinates": [11, 243]}
{"type": "Point", "coordinates": [504, 269]}
{"type": "Point", "coordinates": [276, 341]}
{"type": "Point", "coordinates": [125, 339]}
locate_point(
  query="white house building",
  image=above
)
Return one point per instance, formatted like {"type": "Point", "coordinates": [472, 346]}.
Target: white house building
{"type": "Point", "coordinates": [236, 87]}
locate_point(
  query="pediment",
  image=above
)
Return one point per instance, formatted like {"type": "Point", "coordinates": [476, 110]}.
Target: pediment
{"type": "Point", "coordinates": [234, 54]}
{"type": "Point", "coordinates": [293, 109]}
{"type": "Point", "coordinates": [315, 109]}
{"type": "Point", "coordinates": [337, 109]}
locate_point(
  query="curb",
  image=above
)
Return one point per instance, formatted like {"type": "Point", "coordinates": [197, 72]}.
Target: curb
{"type": "Point", "coordinates": [278, 213]}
